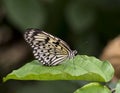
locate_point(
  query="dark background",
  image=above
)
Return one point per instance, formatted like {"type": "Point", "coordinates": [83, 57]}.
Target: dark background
{"type": "Point", "coordinates": [86, 25]}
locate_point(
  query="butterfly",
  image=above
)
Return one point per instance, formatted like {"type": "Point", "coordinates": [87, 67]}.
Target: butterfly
{"type": "Point", "coordinates": [48, 49]}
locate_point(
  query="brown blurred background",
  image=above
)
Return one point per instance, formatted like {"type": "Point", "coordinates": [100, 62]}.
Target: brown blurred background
{"type": "Point", "coordinates": [89, 26]}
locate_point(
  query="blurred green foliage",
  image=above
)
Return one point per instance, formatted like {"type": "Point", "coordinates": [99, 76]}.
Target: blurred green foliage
{"type": "Point", "coordinates": [93, 88]}
{"type": "Point", "coordinates": [89, 23]}
{"type": "Point", "coordinates": [117, 87]}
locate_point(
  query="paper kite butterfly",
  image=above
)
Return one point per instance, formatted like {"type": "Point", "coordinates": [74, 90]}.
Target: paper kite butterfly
{"type": "Point", "coordinates": [48, 49]}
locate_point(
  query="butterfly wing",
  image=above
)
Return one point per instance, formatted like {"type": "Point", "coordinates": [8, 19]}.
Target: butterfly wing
{"type": "Point", "coordinates": [47, 49]}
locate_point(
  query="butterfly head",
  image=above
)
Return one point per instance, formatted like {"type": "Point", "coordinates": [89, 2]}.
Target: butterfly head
{"type": "Point", "coordinates": [73, 53]}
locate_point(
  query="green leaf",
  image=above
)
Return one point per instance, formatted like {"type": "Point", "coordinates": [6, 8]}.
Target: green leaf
{"type": "Point", "coordinates": [25, 13]}
{"type": "Point", "coordinates": [117, 88]}
{"type": "Point", "coordinates": [80, 68]}
{"type": "Point", "coordinates": [93, 88]}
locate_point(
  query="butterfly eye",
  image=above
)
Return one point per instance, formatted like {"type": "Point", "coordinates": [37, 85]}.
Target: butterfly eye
{"type": "Point", "coordinates": [48, 49]}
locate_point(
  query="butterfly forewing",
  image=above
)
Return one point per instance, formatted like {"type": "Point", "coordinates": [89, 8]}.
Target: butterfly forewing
{"type": "Point", "coordinates": [48, 49]}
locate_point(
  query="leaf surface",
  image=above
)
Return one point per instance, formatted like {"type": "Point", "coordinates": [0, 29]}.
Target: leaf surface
{"type": "Point", "coordinates": [81, 67]}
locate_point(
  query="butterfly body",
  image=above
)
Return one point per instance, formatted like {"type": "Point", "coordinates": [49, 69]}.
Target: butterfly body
{"type": "Point", "coordinates": [48, 49]}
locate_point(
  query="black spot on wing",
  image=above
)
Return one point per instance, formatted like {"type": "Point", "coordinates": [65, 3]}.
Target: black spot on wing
{"type": "Point", "coordinates": [56, 43]}
{"type": "Point", "coordinates": [44, 55]}
{"type": "Point", "coordinates": [46, 40]}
